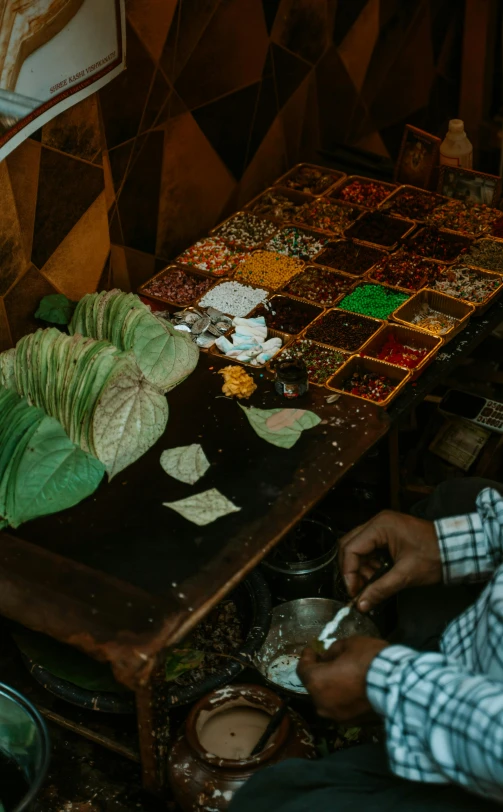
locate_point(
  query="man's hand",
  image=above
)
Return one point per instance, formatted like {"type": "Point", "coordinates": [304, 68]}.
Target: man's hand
{"type": "Point", "coordinates": [412, 544]}
{"type": "Point", "coordinates": [337, 679]}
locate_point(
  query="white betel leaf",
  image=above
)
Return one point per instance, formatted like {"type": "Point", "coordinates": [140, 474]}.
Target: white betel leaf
{"type": "Point", "coordinates": [203, 508]}
{"type": "Point", "coordinates": [129, 418]}
{"type": "Point", "coordinates": [186, 463]}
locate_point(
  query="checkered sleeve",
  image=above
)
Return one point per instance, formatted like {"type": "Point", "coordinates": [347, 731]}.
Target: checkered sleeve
{"type": "Point", "coordinates": [471, 546]}
{"type": "Point", "coordinates": [443, 724]}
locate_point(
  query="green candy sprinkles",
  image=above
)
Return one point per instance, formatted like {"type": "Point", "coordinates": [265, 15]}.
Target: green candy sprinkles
{"type": "Point", "coordinates": [373, 300]}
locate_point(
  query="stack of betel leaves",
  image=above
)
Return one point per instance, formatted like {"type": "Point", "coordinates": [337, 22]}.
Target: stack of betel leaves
{"type": "Point", "coordinates": [41, 470]}
{"type": "Point", "coordinates": [98, 393]}
{"type": "Point", "coordinates": [165, 356]}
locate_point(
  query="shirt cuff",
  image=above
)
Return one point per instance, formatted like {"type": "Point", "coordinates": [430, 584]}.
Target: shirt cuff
{"type": "Point", "coordinates": [383, 673]}
{"type": "Point", "coordinates": [463, 548]}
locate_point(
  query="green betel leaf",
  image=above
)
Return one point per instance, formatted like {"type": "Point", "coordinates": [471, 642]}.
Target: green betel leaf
{"type": "Point", "coordinates": [180, 660]}
{"type": "Point", "coordinates": [56, 309]}
{"type": "Point", "coordinates": [129, 418]}
{"type": "Point", "coordinates": [281, 427]}
{"type": "Point", "coordinates": [186, 463]}
{"type": "Point", "coordinates": [53, 474]}
{"type": "Point", "coordinates": [203, 508]}
{"type": "Point", "coordinates": [165, 355]}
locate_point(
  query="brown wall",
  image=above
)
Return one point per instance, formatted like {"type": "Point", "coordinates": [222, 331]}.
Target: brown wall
{"type": "Point", "coordinates": [219, 98]}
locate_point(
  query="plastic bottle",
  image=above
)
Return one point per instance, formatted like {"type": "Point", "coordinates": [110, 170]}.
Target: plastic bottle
{"type": "Point", "coordinates": [456, 149]}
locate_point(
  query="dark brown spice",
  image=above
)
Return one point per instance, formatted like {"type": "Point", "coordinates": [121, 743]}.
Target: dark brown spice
{"type": "Point", "coordinates": [287, 315]}
{"type": "Point", "coordinates": [349, 256]}
{"type": "Point", "coordinates": [378, 228]}
{"type": "Point", "coordinates": [342, 329]}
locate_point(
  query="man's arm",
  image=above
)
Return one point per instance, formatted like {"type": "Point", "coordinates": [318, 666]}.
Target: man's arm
{"type": "Point", "coordinates": [462, 548]}
{"type": "Point", "coordinates": [442, 723]}
{"type": "Point", "coordinates": [471, 546]}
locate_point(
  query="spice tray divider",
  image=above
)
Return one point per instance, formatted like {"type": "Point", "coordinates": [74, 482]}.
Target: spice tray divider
{"type": "Point", "coordinates": [271, 365]}
{"type": "Point", "coordinates": [448, 234]}
{"type": "Point", "coordinates": [337, 176]}
{"type": "Point", "coordinates": [410, 337]}
{"type": "Point", "coordinates": [305, 333]}
{"type": "Point", "coordinates": [316, 259]}
{"type": "Point", "coordinates": [481, 307]}
{"type": "Point", "coordinates": [439, 302]}
{"type": "Point", "coordinates": [369, 278]}
{"type": "Point", "coordinates": [334, 193]}
{"type": "Point", "coordinates": [386, 248]}
{"type": "Point", "coordinates": [188, 269]}
{"type": "Point", "coordinates": [372, 365]}
{"type": "Point", "coordinates": [384, 204]}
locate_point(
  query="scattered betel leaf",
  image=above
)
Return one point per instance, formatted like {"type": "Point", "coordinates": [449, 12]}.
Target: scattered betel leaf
{"type": "Point", "coordinates": [281, 427]}
{"type": "Point", "coordinates": [203, 508]}
{"type": "Point", "coordinates": [56, 309]}
{"type": "Point", "coordinates": [186, 463]}
{"type": "Point", "coordinates": [98, 394]}
{"type": "Point", "coordinates": [66, 662]}
{"type": "Point", "coordinates": [181, 659]}
{"type": "Point", "coordinates": [41, 470]}
{"type": "Point", "coordinates": [165, 356]}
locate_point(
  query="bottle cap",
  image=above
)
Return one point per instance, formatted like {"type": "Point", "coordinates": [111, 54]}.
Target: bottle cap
{"type": "Point", "coordinates": [456, 126]}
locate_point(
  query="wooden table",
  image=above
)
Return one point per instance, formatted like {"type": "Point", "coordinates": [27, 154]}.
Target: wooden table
{"type": "Point", "coordinates": [121, 577]}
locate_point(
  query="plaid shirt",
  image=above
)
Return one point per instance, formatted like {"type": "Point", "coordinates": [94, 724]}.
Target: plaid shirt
{"type": "Point", "coordinates": [444, 711]}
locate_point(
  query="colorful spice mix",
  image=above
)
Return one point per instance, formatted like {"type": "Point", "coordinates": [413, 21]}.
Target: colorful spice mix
{"type": "Point", "coordinates": [364, 192]}
{"type": "Point", "coordinates": [405, 271]}
{"type": "Point", "coordinates": [319, 285]}
{"type": "Point", "coordinates": [328, 215]}
{"type": "Point", "coordinates": [268, 269]}
{"type": "Point", "coordinates": [212, 255]}
{"type": "Point", "coordinates": [245, 230]}
{"type": "Point", "coordinates": [430, 242]}
{"type": "Point", "coordinates": [369, 385]}
{"type": "Point", "coordinates": [467, 283]}
{"type": "Point", "coordinates": [321, 362]}
{"type": "Point", "coordinates": [349, 256]}
{"type": "Point", "coordinates": [394, 352]}
{"type": "Point", "coordinates": [315, 180]}
{"type": "Point", "coordinates": [274, 203]}
{"type": "Point", "coordinates": [286, 315]}
{"type": "Point", "coordinates": [470, 218]}
{"type": "Point", "coordinates": [433, 321]}
{"type": "Point", "coordinates": [486, 254]}
{"type": "Point", "coordinates": [180, 287]}
{"type": "Point", "coordinates": [373, 300]}
{"type": "Point", "coordinates": [379, 228]}
{"type": "Point", "coordinates": [415, 204]}
{"type": "Point", "coordinates": [296, 243]}
{"type": "Point", "coordinates": [342, 329]}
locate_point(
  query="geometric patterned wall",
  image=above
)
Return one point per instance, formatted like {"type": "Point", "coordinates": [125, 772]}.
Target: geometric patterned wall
{"type": "Point", "coordinates": [219, 98]}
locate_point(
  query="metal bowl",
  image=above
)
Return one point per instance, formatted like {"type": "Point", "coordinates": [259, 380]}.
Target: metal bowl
{"type": "Point", "coordinates": [294, 625]}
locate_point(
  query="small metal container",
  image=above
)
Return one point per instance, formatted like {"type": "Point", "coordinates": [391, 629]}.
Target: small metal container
{"type": "Point", "coordinates": [291, 378]}
{"type": "Point", "coordinates": [296, 624]}
{"type": "Point", "coordinates": [309, 572]}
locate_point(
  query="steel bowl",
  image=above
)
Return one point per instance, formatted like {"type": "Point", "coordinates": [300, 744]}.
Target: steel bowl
{"type": "Point", "coordinates": [296, 624]}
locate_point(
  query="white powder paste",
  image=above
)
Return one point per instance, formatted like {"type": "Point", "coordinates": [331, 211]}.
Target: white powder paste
{"type": "Point", "coordinates": [283, 671]}
{"type": "Point", "coordinates": [233, 732]}
{"type": "Point", "coordinates": [328, 635]}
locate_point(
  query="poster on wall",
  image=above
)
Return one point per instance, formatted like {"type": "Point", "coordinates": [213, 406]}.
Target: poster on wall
{"type": "Point", "coordinates": [54, 53]}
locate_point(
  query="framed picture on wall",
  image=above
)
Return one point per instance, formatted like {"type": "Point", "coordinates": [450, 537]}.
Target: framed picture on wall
{"type": "Point", "coordinates": [418, 157]}
{"type": "Point", "coordinates": [467, 184]}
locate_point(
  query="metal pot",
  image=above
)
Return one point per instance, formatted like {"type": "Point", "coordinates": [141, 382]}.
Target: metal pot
{"type": "Point", "coordinates": [313, 577]}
